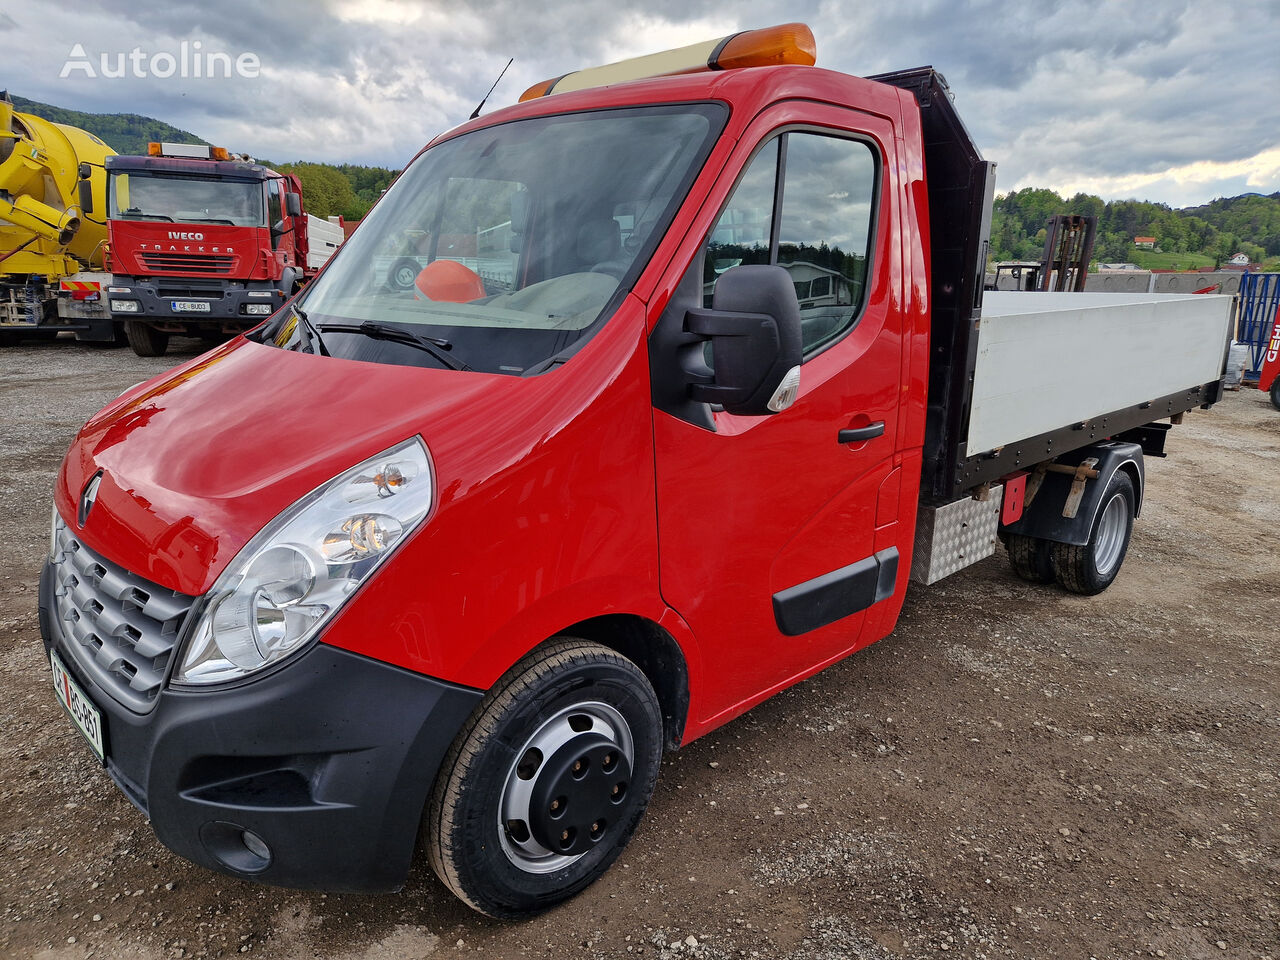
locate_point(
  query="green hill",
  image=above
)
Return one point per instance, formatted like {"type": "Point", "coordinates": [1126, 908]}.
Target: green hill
{"type": "Point", "coordinates": [125, 133]}
{"type": "Point", "coordinates": [1207, 235]}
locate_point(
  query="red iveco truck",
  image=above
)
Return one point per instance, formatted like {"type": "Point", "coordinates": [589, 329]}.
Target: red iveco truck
{"type": "Point", "coordinates": [697, 375]}
{"type": "Point", "coordinates": [205, 244]}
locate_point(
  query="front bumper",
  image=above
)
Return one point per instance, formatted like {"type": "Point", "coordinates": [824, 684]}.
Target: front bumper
{"type": "Point", "coordinates": [327, 763]}
{"type": "Point", "coordinates": [225, 298]}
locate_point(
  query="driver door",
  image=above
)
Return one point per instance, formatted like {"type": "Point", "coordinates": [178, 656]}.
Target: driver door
{"type": "Point", "coordinates": [768, 525]}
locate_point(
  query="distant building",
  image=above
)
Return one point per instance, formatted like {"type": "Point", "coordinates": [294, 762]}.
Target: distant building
{"type": "Point", "coordinates": [1239, 260]}
{"type": "Point", "coordinates": [1117, 266]}
{"type": "Point", "coordinates": [1146, 243]}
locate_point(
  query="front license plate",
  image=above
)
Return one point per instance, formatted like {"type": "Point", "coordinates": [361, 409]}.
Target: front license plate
{"type": "Point", "coordinates": [87, 717]}
{"type": "Point", "coordinates": [190, 306]}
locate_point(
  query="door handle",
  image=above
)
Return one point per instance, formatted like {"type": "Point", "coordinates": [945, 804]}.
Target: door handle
{"type": "Point", "coordinates": [860, 434]}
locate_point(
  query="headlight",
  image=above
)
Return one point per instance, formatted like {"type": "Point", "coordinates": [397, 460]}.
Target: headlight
{"type": "Point", "coordinates": [291, 578]}
{"type": "Point", "coordinates": [125, 306]}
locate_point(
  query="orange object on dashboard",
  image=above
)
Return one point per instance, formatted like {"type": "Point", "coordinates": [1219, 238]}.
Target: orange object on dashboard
{"type": "Point", "coordinates": [450, 282]}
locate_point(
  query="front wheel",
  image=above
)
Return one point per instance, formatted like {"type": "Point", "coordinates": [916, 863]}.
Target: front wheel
{"type": "Point", "coordinates": [547, 781]}
{"type": "Point", "coordinates": [145, 339]}
{"type": "Point", "coordinates": [1090, 568]}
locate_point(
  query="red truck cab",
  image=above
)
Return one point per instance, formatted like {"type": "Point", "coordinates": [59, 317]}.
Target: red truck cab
{"type": "Point", "coordinates": [641, 444]}
{"type": "Point", "coordinates": [200, 242]}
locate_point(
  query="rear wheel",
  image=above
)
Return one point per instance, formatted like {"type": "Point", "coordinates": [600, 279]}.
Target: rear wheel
{"type": "Point", "coordinates": [145, 339]}
{"type": "Point", "coordinates": [1029, 557]}
{"type": "Point", "coordinates": [546, 783]}
{"type": "Point", "coordinates": [1091, 567]}
{"type": "Point", "coordinates": [1275, 392]}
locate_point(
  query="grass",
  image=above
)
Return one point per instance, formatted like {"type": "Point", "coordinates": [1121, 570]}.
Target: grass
{"type": "Point", "coordinates": [1150, 260]}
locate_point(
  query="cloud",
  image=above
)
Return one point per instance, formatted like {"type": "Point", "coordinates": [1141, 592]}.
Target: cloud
{"type": "Point", "coordinates": [1102, 95]}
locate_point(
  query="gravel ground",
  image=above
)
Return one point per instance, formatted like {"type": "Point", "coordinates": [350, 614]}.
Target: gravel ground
{"type": "Point", "coordinates": [1015, 773]}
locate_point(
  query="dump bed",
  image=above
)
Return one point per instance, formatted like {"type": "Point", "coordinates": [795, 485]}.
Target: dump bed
{"type": "Point", "coordinates": [1020, 378]}
{"type": "Point", "coordinates": [1053, 368]}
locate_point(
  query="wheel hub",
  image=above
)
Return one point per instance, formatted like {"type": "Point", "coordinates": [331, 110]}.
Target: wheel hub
{"type": "Point", "coordinates": [567, 787]}
{"type": "Point", "coordinates": [578, 793]}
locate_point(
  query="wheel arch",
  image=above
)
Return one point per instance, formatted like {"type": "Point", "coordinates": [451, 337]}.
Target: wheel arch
{"type": "Point", "coordinates": [1042, 517]}
{"type": "Point", "coordinates": [655, 651]}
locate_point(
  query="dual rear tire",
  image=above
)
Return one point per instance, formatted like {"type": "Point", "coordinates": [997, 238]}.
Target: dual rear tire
{"type": "Point", "coordinates": [1089, 568]}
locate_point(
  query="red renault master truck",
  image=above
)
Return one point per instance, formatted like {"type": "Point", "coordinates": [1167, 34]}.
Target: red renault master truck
{"type": "Point", "coordinates": [696, 374]}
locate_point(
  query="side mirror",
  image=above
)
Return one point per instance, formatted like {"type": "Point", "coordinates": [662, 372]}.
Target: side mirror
{"type": "Point", "coordinates": [86, 195]}
{"type": "Point", "coordinates": [754, 330]}
{"type": "Point", "coordinates": [293, 204]}
{"type": "Point", "coordinates": [85, 170]}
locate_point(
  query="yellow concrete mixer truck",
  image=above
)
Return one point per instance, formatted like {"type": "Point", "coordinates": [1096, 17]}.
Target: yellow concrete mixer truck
{"type": "Point", "coordinates": [52, 229]}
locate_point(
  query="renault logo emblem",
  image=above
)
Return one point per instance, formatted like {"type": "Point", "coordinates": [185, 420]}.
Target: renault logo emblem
{"type": "Point", "coordinates": [89, 496]}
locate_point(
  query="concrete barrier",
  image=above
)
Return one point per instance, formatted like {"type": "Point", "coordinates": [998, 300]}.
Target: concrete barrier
{"type": "Point", "coordinates": [1144, 281]}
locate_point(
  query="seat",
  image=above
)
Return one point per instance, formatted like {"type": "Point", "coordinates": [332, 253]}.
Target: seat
{"type": "Point", "coordinates": [599, 246]}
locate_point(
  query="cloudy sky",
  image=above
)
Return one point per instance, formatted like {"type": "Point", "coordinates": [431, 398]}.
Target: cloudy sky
{"type": "Point", "coordinates": [1176, 101]}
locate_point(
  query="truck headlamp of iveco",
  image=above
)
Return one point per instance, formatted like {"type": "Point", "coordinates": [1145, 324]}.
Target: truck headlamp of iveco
{"type": "Point", "coordinates": [293, 576]}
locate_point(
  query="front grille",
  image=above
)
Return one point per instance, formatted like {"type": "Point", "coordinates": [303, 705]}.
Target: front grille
{"type": "Point", "coordinates": [185, 262]}
{"type": "Point", "coordinates": [188, 293]}
{"type": "Point", "coordinates": [120, 629]}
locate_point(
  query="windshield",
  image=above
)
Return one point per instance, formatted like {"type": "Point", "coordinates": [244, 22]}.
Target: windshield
{"type": "Point", "coordinates": [179, 199]}
{"type": "Point", "coordinates": [506, 246]}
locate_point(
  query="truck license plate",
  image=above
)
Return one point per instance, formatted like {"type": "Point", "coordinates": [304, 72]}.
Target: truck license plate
{"type": "Point", "coordinates": [190, 306]}
{"type": "Point", "coordinates": [87, 717]}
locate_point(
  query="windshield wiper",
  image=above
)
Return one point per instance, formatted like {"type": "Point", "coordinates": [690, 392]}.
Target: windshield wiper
{"type": "Point", "coordinates": [313, 338]}
{"type": "Point", "coordinates": [139, 215]}
{"type": "Point", "coordinates": [382, 331]}
{"type": "Point", "coordinates": [230, 223]}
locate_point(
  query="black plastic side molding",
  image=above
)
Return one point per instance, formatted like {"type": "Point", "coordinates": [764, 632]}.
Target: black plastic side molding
{"type": "Point", "coordinates": [826, 599]}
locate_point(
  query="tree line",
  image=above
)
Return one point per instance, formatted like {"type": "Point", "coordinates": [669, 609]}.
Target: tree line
{"type": "Point", "coordinates": [1220, 229]}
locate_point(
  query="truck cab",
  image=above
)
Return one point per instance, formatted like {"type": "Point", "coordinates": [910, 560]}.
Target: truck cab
{"type": "Point", "coordinates": [682, 386]}
{"type": "Point", "coordinates": [200, 243]}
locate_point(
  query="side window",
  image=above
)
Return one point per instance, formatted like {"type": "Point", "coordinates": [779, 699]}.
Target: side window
{"type": "Point", "coordinates": [822, 236]}
{"type": "Point", "coordinates": [744, 232]}
{"type": "Point", "coordinates": [275, 209]}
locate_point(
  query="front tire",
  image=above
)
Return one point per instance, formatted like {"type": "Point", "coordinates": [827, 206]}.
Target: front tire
{"type": "Point", "coordinates": [145, 339]}
{"type": "Point", "coordinates": [1089, 569]}
{"type": "Point", "coordinates": [547, 781]}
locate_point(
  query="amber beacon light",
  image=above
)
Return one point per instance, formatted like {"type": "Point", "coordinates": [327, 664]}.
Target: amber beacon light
{"type": "Point", "coordinates": [770, 46]}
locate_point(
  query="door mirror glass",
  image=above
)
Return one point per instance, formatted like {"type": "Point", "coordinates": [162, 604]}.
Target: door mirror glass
{"type": "Point", "coordinates": [293, 204]}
